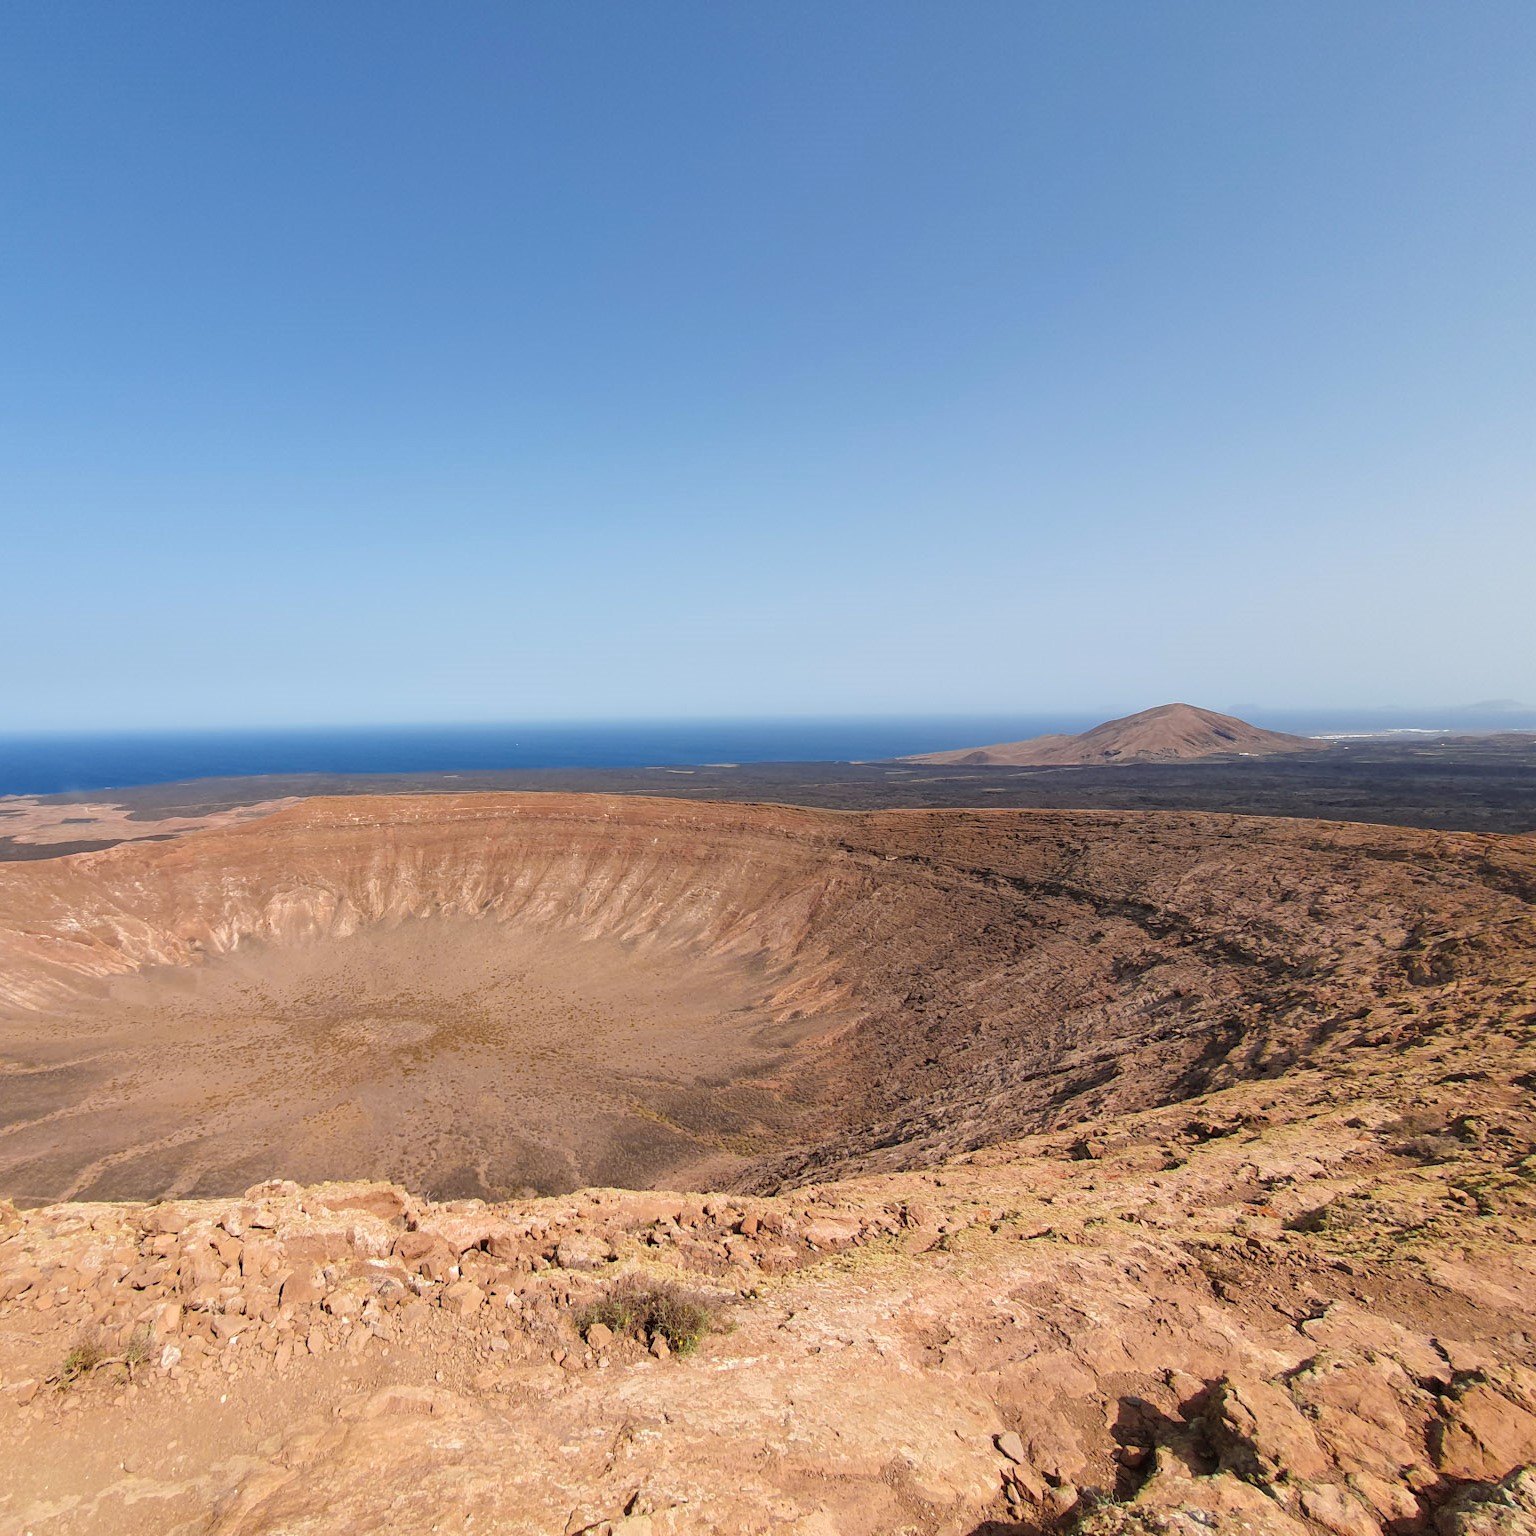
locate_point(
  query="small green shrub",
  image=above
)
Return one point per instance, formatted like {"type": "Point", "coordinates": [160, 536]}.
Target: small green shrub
{"type": "Point", "coordinates": [82, 1359]}
{"type": "Point", "coordinates": [647, 1310]}
{"type": "Point", "coordinates": [91, 1352]}
{"type": "Point", "coordinates": [138, 1348]}
{"type": "Point", "coordinates": [1429, 1149]}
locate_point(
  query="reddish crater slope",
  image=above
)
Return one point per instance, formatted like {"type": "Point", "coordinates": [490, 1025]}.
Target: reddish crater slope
{"type": "Point", "coordinates": [486, 994]}
{"type": "Point", "coordinates": [1169, 733]}
{"type": "Point", "coordinates": [1093, 1175]}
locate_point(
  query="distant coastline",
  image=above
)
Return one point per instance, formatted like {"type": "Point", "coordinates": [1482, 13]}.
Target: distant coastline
{"type": "Point", "coordinates": [77, 762]}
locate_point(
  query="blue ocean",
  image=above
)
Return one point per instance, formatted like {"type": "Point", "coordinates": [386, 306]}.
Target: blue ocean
{"type": "Point", "coordinates": [56, 764]}
{"type": "Point", "coordinates": [67, 763]}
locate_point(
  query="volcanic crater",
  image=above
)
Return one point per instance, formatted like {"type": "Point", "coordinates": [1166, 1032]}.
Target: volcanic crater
{"type": "Point", "coordinates": [504, 995]}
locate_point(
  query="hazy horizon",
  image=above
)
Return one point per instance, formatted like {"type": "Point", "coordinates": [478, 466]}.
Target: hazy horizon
{"type": "Point", "coordinates": [1261, 714]}
{"type": "Point", "coordinates": [375, 363]}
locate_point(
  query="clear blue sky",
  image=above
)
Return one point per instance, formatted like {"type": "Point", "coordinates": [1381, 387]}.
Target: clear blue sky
{"type": "Point", "coordinates": [379, 361]}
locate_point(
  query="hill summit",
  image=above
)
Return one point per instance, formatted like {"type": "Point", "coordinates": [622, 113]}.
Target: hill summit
{"type": "Point", "coordinates": [1167, 734]}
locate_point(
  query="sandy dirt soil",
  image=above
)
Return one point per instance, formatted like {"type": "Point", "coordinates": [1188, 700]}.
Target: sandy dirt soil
{"type": "Point", "coordinates": [38, 826]}
{"type": "Point", "coordinates": [457, 1056]}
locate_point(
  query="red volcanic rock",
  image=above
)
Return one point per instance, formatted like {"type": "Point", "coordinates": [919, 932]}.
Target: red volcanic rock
{"type": "Point", "coordinates": [1486, 1431]}
{"type": "Point", "coordinates": [1260, 1433]}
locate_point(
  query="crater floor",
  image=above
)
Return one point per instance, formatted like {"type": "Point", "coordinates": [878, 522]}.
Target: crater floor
{"type": "Point", "coordinates": [455, 1055]}
{"type": "Point", "coordinates": [492, 994]}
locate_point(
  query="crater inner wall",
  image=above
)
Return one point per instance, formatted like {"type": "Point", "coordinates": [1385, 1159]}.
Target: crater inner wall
{"type": "Point", "coordinates": [482, 993]}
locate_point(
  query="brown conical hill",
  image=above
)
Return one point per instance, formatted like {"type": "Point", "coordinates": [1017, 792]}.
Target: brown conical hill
{"type": "Point", "coordinates": [1167, 734]}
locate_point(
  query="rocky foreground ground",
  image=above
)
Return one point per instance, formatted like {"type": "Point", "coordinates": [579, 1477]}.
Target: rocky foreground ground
{"type": "Point", "coordinates": [1302, 1304]}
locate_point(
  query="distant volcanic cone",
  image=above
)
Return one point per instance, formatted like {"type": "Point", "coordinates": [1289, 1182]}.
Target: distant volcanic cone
{"type": "Point", "coordinates": [1170, 733]}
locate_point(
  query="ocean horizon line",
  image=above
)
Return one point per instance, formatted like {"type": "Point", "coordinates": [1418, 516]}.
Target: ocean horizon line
{"type": "Point", "coordinates": [69, 762]}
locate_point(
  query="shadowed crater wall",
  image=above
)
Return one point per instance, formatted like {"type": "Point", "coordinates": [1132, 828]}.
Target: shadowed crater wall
{"type": "Point", "coordinates": [483, 994]}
